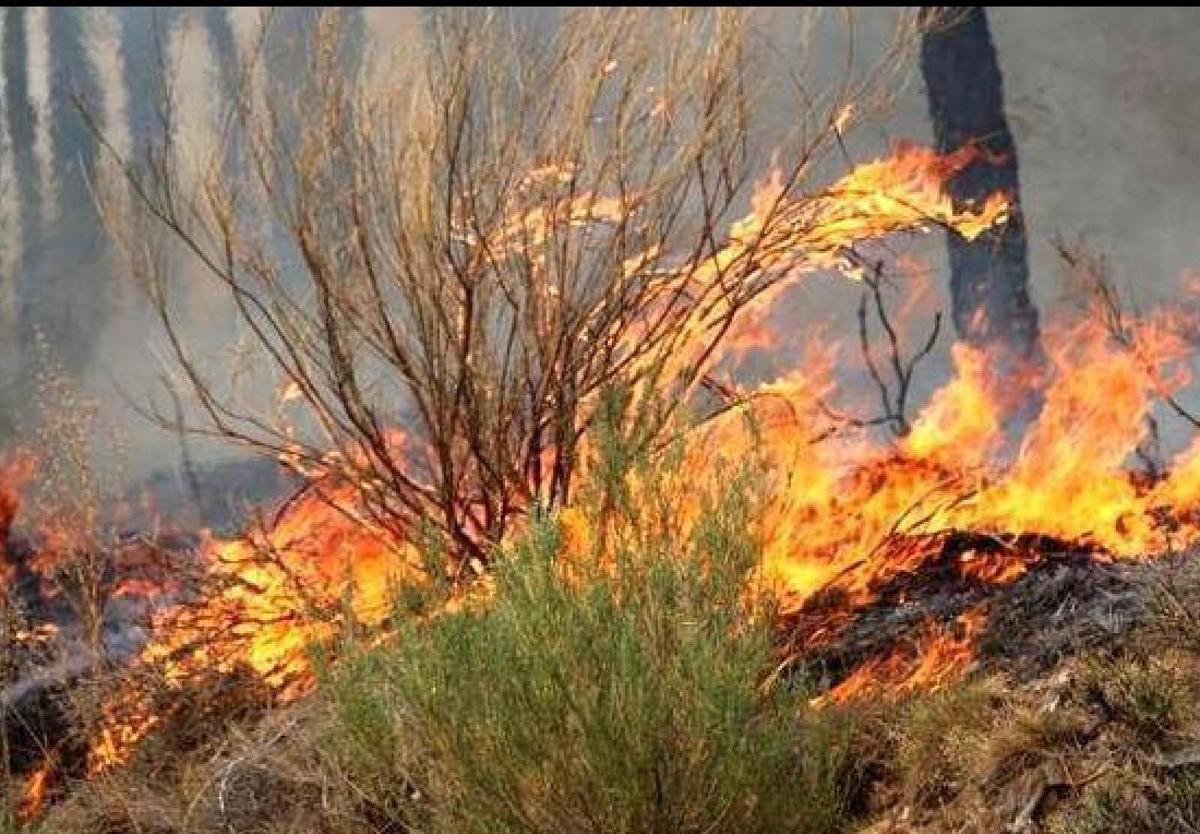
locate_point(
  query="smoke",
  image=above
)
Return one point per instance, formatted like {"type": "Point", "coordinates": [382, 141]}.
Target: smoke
{"type": "Point", "coordinates": [1100, 102]}
{"type": "Point", "coordinates": [106, 54]}
{"type": "Point", "coordinates": [247, 24]}
{"type": "Point", "coordinates": [106, 59]}
{"type": "Point", "coordinates": [386, 29]}
{"type": "Point", "coordinates": [37, 44]}
{"type": "Point", "coordinates": [192, 68]}
{"type": "Point", "coordinates": [11, 243]}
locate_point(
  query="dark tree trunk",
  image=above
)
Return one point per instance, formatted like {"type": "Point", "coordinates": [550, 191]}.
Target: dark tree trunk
{"type": "Point", "coordinates": [989, 280]}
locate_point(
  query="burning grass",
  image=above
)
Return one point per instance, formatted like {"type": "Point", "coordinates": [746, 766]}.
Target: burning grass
{"type": "Point", "coordinates": [899, 565]}
{"type": "Point", "coordinates": [652, 683]}
{"type": "Point", "coordinates": [331, 562]}
{"type": "Point", "coordinates": [638, 612]}
{"type": "Point", "coordinates": [552, 602]}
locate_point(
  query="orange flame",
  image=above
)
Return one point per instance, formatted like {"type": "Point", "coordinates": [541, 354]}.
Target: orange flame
{"type": "Point", "coordinates": [270, 597]}
{"type": "Point", "coordinates": [937, 657]}
{"type": "Point", "coordinates": [14, 472]}
{"type": "Point", "coordinates": [836, 504]}
{"type": "Point", "coordinates": [844, 509]}
{"type": "Point", "coordinates": [36, 793]}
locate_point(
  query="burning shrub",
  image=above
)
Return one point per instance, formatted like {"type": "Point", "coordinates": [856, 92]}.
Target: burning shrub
{"type": "Point", "coordinates": [441, 276]}
{"type": "Point", "coordinates": [619, 695]}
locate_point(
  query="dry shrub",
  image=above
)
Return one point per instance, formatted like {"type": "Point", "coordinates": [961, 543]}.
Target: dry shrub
{"type": "Point", "coordinates": [66, 503]}
{"type": "Point", "coordinates": [476, 250]}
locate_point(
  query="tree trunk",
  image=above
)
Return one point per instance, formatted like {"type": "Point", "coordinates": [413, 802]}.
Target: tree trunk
{"type": "Point", "coordinates": [989, 277]}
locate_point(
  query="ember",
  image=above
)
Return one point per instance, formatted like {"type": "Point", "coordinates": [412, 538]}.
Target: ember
{"type": "Point", "coordinates": [36, 793]}
{"type": "Point", "coordinates": [937, 656]}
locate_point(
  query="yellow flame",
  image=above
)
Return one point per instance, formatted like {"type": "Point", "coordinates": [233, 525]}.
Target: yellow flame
{"type": "Point", "coordinates": [324, 566]}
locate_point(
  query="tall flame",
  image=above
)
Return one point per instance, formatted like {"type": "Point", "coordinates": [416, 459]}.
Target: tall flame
{"type": "Point", "coordinates": [285, 587]}
{"type": "Point", "coordinates": [844, 509]}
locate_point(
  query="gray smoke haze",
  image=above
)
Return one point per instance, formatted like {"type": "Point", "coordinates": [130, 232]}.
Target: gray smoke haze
{"type": "Point", "coordinates": [1101, 101]}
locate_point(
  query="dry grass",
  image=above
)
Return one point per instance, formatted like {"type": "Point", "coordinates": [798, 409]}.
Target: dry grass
{"type": "Point", "coordinates": [1106, 740]}
{"type": "Point", "coordinates": [937, 741]}
{"type": "Point", "coordinates": [264, 778]}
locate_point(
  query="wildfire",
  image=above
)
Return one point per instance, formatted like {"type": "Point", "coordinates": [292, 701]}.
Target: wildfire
{"type": "Point", "coordinates": [786, 238]}
{"type": "Point", "coordinates": [14, 472]}
{"type": "Point", "coordinates": [325, 565]}
{"type": "Point", "coordinates": [321, 568]}
{"type": "Point", "coordinates": [939, 655]}
{"type": "Point", "coordinates": [845, 509]}
{"type": "Point", "coordinates": [840, 506]}
{"type": "Point", "coordinates": [37, 789]}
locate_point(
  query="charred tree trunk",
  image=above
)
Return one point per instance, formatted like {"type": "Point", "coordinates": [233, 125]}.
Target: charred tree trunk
{"type": "Point", "coordinates": [989, 277]}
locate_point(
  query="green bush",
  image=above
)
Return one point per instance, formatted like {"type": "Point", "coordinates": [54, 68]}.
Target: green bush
{"type": "Point", "coordinates": [624, 694]}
